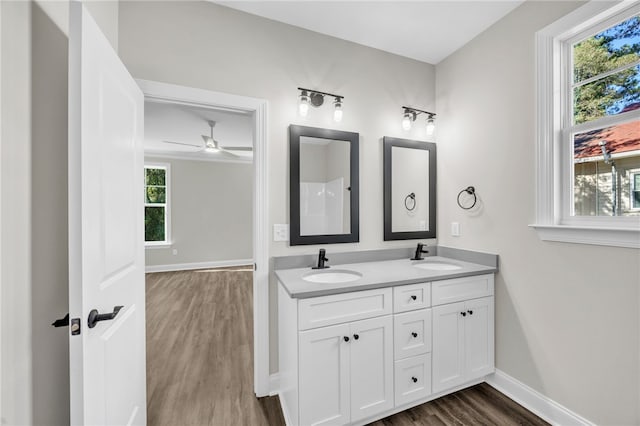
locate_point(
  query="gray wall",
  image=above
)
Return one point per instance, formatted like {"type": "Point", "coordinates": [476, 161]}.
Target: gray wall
{"type": "Point", "coordinates": [211, 212]}
{"type": "Point", "coordinates": [567, 319]}
{"type": "Point", "coordinates": [204, 45]}
{"type": "Point", "coordinates": [34, 292]}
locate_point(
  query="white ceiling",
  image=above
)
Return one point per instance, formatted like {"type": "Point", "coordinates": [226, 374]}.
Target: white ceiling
{"type": "Point", "coordinates": [425, 30]}
{"type": "Point", "coordinates": [187, 124]}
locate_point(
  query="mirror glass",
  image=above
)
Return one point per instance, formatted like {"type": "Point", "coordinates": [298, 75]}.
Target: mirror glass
{"type": "Point", "coordinates": [409, 189]}
{"type": "Point", "coordinates": [323, 186]}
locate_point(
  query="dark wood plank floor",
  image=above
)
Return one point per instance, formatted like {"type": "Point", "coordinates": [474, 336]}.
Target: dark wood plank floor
{"type": "Point", "coordinates": [200, 366]}
{"type": "Point", "coordinates": [200, 350]}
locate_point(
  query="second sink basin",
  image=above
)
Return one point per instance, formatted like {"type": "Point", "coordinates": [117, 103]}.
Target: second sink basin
{"type": "Point", "coordinates": [437, 266]}
{"type": "Point", "coordinates": [332, 276]}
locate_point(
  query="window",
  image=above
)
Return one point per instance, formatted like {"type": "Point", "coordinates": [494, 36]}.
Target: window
{"type": "Point", "coordinates": [156, 204]}
{"type": "Point", "coordinates": [588, 121]}
{"type": "Point", "coordinates": [634, 189]}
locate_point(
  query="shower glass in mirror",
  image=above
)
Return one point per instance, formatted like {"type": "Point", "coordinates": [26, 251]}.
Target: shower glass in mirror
{"type": "Point", "coordinates": [409, 189]}
{"type": "Point", "coordinates": [323, 186]}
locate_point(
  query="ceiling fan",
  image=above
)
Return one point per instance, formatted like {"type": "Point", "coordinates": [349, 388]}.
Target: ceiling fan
{"type": "Point", "coordinates": [211, 145]}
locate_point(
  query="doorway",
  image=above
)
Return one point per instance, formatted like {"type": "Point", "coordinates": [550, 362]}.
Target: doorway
{"type": "Point", "coordinates": [256, 110]}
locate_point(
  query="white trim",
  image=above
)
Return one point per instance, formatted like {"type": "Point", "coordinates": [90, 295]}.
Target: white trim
{"type": "Point", "coordinates": [551, 197]}
{"type": "Point", "coordinates": [197, 265]}
{"type": "Point", "coordinates": [274, 384]}
{"type": "Point", "coordinates": [615, 237]}
{"type": "Point", "coordinates": [534, 401]}
{"type": "Point", "coordinates": [163, 92]}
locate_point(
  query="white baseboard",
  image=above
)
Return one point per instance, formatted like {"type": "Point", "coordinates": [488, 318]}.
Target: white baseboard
{"type": "Point", "coordinates": [198, 265]}
{"type": "Point", "coordinates": [274, 384]}
{"type": "Point", "coordinates": [534, 401]}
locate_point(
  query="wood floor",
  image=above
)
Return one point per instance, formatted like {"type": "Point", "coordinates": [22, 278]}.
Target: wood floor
{"type": "Point", "coordinates": [200, 367]}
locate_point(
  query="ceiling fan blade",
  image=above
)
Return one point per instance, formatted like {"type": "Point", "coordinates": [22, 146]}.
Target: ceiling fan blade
{"type": "Point", "coordinates": [237, 148]}
{"type": "Point", "coordinates": [182, 143]}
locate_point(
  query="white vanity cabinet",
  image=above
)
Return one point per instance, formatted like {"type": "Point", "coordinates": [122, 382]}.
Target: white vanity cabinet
{"type": "Point", "coordinates": [355, 357]}
{"type": "Point", "coordinates": [463, 331]}
{"type": "Point", "coordinates": [340, 370]}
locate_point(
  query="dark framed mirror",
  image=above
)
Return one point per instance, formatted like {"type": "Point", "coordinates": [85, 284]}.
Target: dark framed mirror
{"type": "Point", "coordinates": [409, 189]}
{"type": "Point", "coordinates": [323, 186]}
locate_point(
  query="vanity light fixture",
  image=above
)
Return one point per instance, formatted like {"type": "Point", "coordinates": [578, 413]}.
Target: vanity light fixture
{"type": "Point", "coordinates": [410, 115]}
{"type": "Point", "coordinates": [315, 98]}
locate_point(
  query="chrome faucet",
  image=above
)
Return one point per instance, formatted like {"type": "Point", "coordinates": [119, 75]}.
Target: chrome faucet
{"type": "Point", "coordinates": [321, 260]}
{"type": "Point", "coordinates": [419, 251]}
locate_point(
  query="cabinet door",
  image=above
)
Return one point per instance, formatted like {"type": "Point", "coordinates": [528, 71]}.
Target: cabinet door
{"type": "Point", "coordinates": [371, 367]}
{"type": "Point", "coordinates": [448, 346]}
{"type": "Point", "coordinates": [479, 350]}
{"type": "Point", "coordinates": [324, 376]}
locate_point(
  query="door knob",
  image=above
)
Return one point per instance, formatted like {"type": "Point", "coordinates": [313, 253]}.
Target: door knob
{"type": "Point", "coordinates": [95, 317]}
{"type": "Point", "coordinates": [415, 379]}
{"type": "Point", "coordinates": [346, 338]}
{"type": "Point", "coordinates": [356, 336]}
{"type": "Point", "coordinates": [414, 334]}
{"type": "Point", "coordinates": [414, 297]}
{"type": "Point", "coordinates": [470, 312]}
{"type": "Point", "coordinates": [464, 314]}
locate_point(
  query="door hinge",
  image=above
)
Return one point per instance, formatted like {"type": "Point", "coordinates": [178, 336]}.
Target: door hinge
{"type": "Point", "coordinates": [255, 266]}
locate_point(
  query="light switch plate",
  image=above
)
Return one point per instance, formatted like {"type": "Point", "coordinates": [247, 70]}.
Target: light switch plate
{"type": "Point", "coordinates": [455, 229]}
{"type": "Point", "coordinates": [280, 232]}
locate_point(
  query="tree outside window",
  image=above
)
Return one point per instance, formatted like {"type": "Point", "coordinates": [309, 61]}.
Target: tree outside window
{"type": "Point", "coordinates": [155, 204]}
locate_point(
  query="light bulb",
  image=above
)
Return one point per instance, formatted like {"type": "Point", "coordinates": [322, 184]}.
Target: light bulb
{"type": "Point", "coordinates": [431, 126]}
{"type": "Point", "coordinates": [337, 112]}
{"type": "Point", "coordinates": [406, 121]}
{"type": "Point", "coordinates": [303, 105]}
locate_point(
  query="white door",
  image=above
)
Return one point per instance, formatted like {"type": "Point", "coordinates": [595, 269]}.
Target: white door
{"type": "Point", "coordinates": [448, 346]}
{"type": "Point", "coordinates": [371, 367]}
{"type": "Point", "coordinates": [324, 376]}
{"type": "Point", "coordinates": [106, 249]}
{"type": "Point", "coordinates": [479, 338]}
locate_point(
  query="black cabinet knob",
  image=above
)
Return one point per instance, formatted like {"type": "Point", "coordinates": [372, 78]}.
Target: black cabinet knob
{"type": "Point", "coordinates": [355, 336]}
{"type": "Point", "coordinates": [464, 314]}
{"type": "Point", "coordinates": [414, 334]}
{"type": "Point", "coordinates": [470, 312]}
{"type": "Point", "coordinates": [415, 379]}
{"type": "Point", "coordinates": [414, 297]}
{"type": "Point", "coordinates": [346, 338]}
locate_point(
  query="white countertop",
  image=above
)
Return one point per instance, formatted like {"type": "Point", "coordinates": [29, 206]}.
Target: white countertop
{"type": "Point", "coordinates": [387, 273]}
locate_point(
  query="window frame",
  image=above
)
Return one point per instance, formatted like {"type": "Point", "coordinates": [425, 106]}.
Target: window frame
{"type": "Point", "coordinates": [167, 242]}
{"type": "Point", "coordinates": [632, 188]}
{"type": "Point", "coordinates": [555, 129]}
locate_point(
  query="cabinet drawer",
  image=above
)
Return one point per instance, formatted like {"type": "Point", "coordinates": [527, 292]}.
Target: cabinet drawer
{"type": "Point", "coordinates": [449, 291]}
{"type": "Point", "coordinates": [411, 297]}
{"type": "Point", "coordinates": [335, 309]}
{"type": "Point", "coordinates": [412, 333]}
{"type": "Point", "coordinates": [412, 379]}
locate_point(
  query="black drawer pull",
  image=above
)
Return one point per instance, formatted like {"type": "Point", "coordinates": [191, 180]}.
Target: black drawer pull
{"type": "Point", "coordinates": [415, 379]}
{"type": "Point", "coordinates": [414, 334]}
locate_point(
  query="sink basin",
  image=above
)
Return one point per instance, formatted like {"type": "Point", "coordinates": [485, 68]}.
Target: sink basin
{"type": "Point", "coordinates": [437, 266]}
{"type": "Point", "coordinates": [332, 276]}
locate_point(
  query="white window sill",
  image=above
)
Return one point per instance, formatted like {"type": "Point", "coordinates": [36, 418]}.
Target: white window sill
{"type": "Point", "coordinates": [615, 237]}
{"type": "Point", "coordinates": [157, 245]}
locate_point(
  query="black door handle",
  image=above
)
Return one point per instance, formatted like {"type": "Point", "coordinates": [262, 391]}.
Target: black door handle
{"type": "Point", "coordinates": [94, 316]}
{"type": "Point", "coordinates": [62, 322]}
{"type": "Point", "coordinates": [414, 334]}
